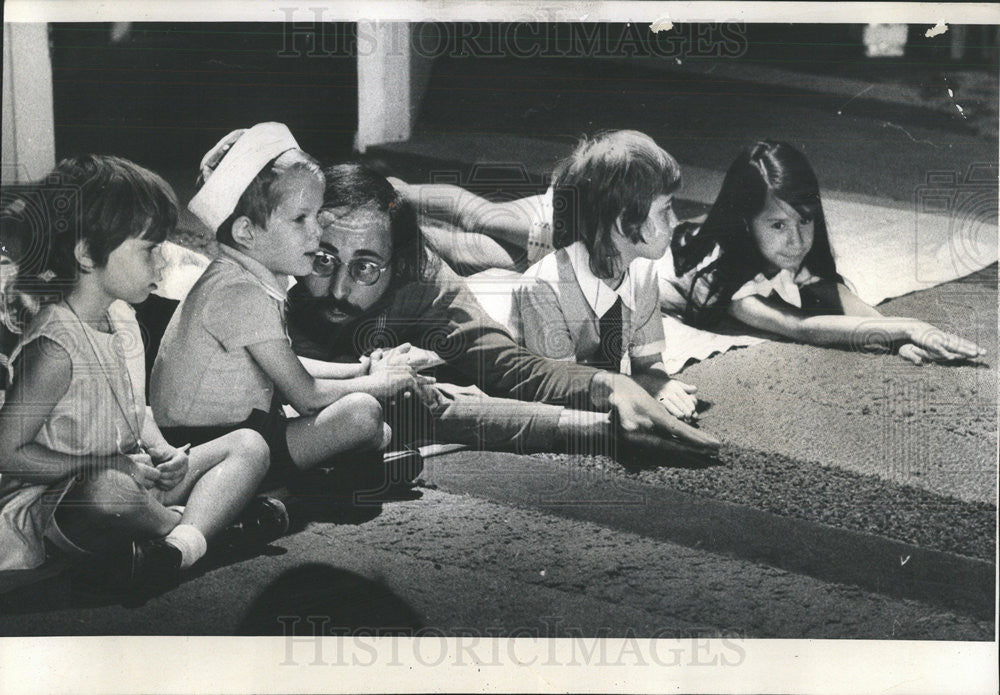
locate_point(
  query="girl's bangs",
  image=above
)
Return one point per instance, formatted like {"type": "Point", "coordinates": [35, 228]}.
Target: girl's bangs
{"type": "Point", "coordinates": [804, 200]}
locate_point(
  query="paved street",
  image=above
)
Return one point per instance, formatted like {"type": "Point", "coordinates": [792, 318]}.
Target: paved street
{"type": "Point", "coordinates": [854, 496]}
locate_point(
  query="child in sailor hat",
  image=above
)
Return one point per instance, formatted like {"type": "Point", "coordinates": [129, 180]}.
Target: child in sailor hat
{"type": "Point", "coordinates": [226, 361]}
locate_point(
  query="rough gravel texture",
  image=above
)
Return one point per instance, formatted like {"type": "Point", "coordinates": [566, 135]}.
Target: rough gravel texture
{"type": "Point", "coordinates": [933, 427]}
{"type": "Point", "coordinates": [467, 565]}
{"type": "Point", "coordinates": [858, 440]}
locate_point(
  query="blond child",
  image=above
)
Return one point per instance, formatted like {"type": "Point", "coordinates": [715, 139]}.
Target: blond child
{"type": "Point", "coordinates": [225, 361]}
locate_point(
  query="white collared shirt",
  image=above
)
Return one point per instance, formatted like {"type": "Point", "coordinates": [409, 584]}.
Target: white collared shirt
{"type": "Point", "coordinates": [598, 294]}
{"type": "Point", "coordinates": [783, 284]}
{"type": "Point", "coordinates": [557, 308]}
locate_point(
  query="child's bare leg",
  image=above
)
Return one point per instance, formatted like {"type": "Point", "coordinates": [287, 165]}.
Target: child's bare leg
{"type": "Point", "coordinates": [111, 507]}
{"type": "Point", "coordinates": [222, 477]}
{"type": "Point", "coordinates": [354, 423]}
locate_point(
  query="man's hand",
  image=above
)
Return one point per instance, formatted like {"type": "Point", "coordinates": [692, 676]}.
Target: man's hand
{"type": "Point", "coordinates": [393, 376]}
{"type": "Point", "coordinates": [637, 410]}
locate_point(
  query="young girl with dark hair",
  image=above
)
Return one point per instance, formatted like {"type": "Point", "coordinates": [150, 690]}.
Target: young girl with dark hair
{"type": "Point", "coordinates": [763, 257]}
{"type": "Point", "coordinates": [82, 463]}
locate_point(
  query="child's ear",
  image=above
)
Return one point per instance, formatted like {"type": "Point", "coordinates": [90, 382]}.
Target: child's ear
{"type": "Point", "coordinates": [618, 226]}
{"type": "Point", "coordinates": [244, 232]}
{"type": "Point", "coordinates": [81, 251]}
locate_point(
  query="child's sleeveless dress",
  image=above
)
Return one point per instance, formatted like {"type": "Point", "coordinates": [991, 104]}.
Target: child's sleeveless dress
{"type": "Point", "coordinates": [87, 420]}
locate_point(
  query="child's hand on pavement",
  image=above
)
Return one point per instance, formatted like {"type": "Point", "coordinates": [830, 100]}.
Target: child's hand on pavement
{"type": "Point", "coordinates": [934, 345]}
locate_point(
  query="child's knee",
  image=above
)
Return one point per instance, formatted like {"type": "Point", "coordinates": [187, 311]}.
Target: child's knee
{"type": "Point", "coordinates": [251, 446]}
{"type": "Point", "coordinates": [364, 418]}
{"type": "Point", "coordinates": [109, 494]}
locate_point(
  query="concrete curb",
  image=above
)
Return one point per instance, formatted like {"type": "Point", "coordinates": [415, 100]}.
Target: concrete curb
{"type": "Point", "coordinates": [878, 564]}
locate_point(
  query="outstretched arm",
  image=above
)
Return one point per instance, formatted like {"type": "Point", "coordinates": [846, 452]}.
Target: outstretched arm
{"type": "Point", "coordinates": [639, 411]}
{"type": "Point", "coordinates": [309, 395]}
{"type": "Point", "coordinates": [850, 330]}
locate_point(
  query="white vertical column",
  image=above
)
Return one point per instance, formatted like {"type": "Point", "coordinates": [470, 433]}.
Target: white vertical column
{"type": "Point", "coordinates": [29, 142]}
{"type": "Point", "coordinates": [384, 96]}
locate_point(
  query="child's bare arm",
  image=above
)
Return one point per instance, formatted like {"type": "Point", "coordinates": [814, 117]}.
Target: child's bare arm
{"type": "Point", "coordinates": [320, 369]}
{"type": "Point", "coordinates": [306, 394]}
{"type": "Point", "coordinates": [42, 377]}
{"type": "Point", "coordinates": [853, 305]}
{"type": "Point", "coordinates": [309, 395]}
{"type": "Point", "coordinates": [850, 330]}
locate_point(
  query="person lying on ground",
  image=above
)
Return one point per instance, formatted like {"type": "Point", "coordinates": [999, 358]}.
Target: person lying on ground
{"type": "Point", "coordinates": [594, 300]}
{"type": "Point", "coordinates": [762, 256]}
{"type": "Point", "coordinates": [375, 286]}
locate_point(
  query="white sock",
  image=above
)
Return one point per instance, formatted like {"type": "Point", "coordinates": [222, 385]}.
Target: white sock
{"type": "Point", "coordinates": [190, 541]}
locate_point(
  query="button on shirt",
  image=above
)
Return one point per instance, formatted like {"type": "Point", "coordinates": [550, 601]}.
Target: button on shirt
{"type": "Point", "coordinates": [556, 310]}
{"type": "Point", "coordinates": [204, 374]}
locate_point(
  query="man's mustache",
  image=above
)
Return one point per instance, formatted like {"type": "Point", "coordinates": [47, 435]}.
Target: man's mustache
{"type": "Point", "coordinates": [329, 303]}
{"type": "Point", "coordinates": [302, 300]}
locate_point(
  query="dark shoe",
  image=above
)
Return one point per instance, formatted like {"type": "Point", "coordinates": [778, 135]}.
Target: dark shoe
{"type": "Point", "coordinates": [264, 519]}
{"type": "Point", "coordinates": [155, 568]}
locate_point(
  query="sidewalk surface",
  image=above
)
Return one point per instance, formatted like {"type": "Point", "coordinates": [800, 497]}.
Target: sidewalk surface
{"type": "Point", "coordinates": [854, 497]}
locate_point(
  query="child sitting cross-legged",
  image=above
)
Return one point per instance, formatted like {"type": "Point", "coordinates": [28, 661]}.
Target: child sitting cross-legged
{"type": "Point", "coordinates": [225, 361]}
{"type": "Point", "coordinates": [82, 463]}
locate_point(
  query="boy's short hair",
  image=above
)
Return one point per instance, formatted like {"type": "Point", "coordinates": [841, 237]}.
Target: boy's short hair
{"type": "Point", "coordinates": [614, 174]}
{"type": "Point", "coordinates": [259, 199]}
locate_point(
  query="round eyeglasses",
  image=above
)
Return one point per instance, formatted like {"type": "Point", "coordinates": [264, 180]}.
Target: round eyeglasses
{"type": "Point", "coordinates": [361, 270]}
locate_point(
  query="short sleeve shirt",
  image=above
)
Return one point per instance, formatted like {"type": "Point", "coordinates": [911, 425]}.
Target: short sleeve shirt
{"type": "Point", "coordinates": [204, 375]}
{"type": "Point", "coordinates": [556, 310]}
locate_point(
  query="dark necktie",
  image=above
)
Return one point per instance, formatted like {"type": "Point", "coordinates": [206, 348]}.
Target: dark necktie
{"type": "Point", "coordinates": [610, 328]}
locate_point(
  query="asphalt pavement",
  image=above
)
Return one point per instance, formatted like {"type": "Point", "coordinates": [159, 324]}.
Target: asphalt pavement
{"type": "Point", "coordinates": [855, 495]}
